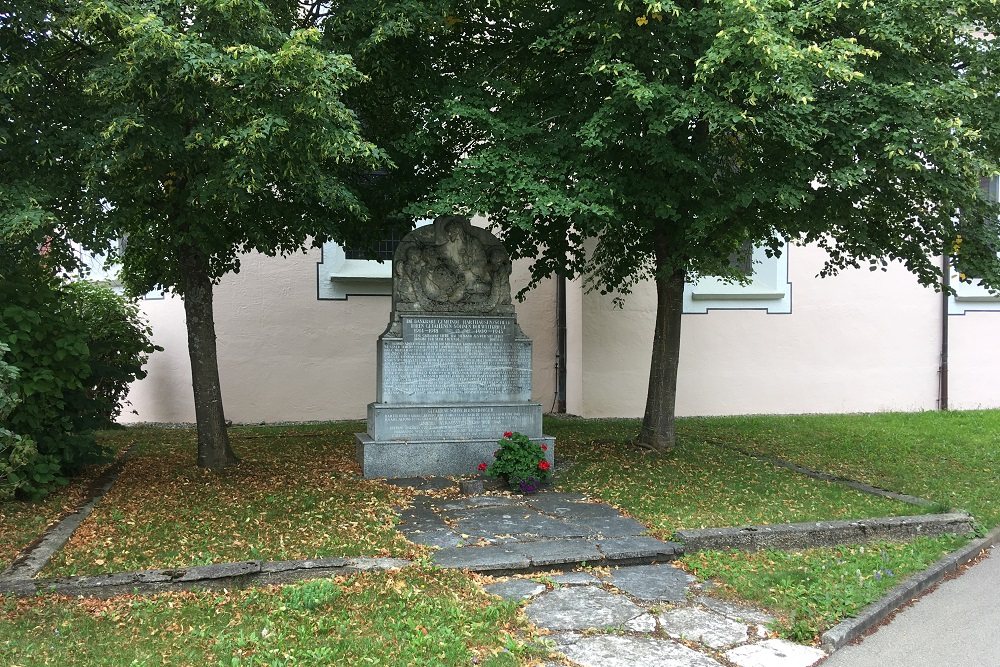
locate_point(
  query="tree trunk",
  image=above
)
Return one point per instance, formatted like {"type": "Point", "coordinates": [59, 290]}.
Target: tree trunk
{"type": "Point", "coordinates": [214, 451]}
{"type": "Point", "coordinates": [659, 431]}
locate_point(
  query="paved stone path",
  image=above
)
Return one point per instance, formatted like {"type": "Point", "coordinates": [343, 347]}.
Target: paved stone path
{"type": "Point", "coordinates": [651, 614]}
{"type": "Point", "coordinates": [517, 533]}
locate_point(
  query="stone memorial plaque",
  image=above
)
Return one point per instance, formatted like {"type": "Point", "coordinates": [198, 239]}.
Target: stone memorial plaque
{"type": "Point", "coordinates": [455, 360]}
{"type": "Point", "coordinates": [452, 422]}
{"type": "Point", "coordinates": [454, 367]}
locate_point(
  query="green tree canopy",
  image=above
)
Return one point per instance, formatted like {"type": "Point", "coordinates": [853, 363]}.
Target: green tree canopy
{"type": "Point", "coordinates": [195, 130]}
{"type": "Point", "coordinates": [650, 140]}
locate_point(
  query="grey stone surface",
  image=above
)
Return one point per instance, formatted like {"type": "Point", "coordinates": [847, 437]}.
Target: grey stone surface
{"type": "Point", "coordinates": [471, 487]}
{"type": "Point", "coordinates": [471, 421]}
{"type": "Point", "coordinates": [555, 502]}
{"type": "Point", "coordinates": [451, 266]}
{"type": "Point", "coordinates": [220, 570]}
{"type": "Point", "coordinates": [422, 483]}
{"type": "Point", "coordinates": [824, 533]}
{"type": "Point", "coordinates": [473, 503]}
{"type": "Point", "coordinates": [556, 552]}
{"type": "Point", "coordinates": [516, 521]}
{"type": "Point", "coordinates": [655, 583]}
{"type": "Point", "coordinates": [774, 653]}
{"type": "Point", "coordinates": [516, 589]}
{"type": "Point", "coordinates": [735, 611]}
{"type": "Point", "coordinates": [436, 457]}
{"type": "Point", "coordinates": [705, 627]}
{"type": "Point", "coordinates": [453, 359]}
{"type": "Point", "coordinates": [645, 623]}
{"type": "Point", "coordinates": [454, 367]}
{"type": "Point", "coordinates": [290, 565]}
{"type": "Point", "coordinates": [423, 525]}
{"type": "Point", "coordinates": [576, 579]}
{"type": "Point", "coordinates": [581, 608]}
{"type": "Point", "coordinates": [482, 559]}
{"type": "Point", "coordinates": [624, 548]}
{"type": "Point", "coordinates": [617, 651]}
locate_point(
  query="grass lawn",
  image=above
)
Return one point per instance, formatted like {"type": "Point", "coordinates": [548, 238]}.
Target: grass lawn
{"type": "Point", "coordinates": [698, 485]}
{"type": "Point", "coordinates": [813, 590]}
{"type": "Point", "coordinates": [296, 494]}
{"type": "Point", "coordinates": [952, 458]}
{"type": "Point", "coordinates": [412, 617]}
{"type": "Point", "coordinates": [21, 521]}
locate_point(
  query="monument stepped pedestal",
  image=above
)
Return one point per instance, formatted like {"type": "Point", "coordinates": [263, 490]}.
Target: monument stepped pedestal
{"type": "Point", "coordinates": [454, 367]}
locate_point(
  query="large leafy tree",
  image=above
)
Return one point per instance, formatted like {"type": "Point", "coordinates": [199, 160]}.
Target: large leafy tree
{"type": "Point", "coordinates": [197, 130]}
{"type": "Point", "coordinates": [650, 140]}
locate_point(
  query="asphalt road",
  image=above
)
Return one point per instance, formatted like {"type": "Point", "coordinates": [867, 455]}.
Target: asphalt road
{"type": "Point", "coordinates": [956, 625]}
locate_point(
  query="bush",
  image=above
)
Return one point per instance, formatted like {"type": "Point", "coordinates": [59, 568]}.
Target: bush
{"type": "Point", "coordinates": [119, 344]}
{"type": "Point", "coordinates": [77, 346]}
{"type": "Point", "coordinates": [16, 452]}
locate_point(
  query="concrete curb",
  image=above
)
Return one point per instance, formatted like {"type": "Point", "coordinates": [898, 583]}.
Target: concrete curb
{"type": "Point", "coordinates": [823, 533]}
{"type": "Point", "coordinates": [852, 628]}
{"type": "Point", "coordinates": [37, 555]}
{"type": "Point", "coordinates": [219, 575]}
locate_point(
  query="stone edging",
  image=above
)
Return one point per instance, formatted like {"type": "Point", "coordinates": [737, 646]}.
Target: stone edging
{"type": "Point", "coordinates": [823, 533]}
{"type": "Point", "coordinates": [852, 628]}
{"type": "Point", "coordinates": [827, 477]}
{"type": "Point", "coordinates": [216, 576]}
{"type": "Point", "coordinates": [36, 555]}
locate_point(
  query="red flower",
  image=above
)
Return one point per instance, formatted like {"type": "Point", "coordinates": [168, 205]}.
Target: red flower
{"type": "Point", "coordinates": [482, 467]}
{"type": "Point", "coordinates": [545, 448]}
{"type": "Point", "coordinates": [543, 465]}
{"type": "Point", "coordinates": [507, 434]}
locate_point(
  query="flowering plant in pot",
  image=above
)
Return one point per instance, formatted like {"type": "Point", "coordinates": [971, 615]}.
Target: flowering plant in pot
{"type": "Point", "coordinates": [520, 461]}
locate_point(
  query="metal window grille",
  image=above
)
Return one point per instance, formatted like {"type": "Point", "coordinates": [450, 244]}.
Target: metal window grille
{"type": "Point", "coordinates": [384, 249]}
{"type": "Point", "coordinates": [742, 259]}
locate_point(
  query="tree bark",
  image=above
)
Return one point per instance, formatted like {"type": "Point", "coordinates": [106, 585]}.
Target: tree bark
{"type": "Point", "coordinates": [214, 451]}
{"type": "Point", "coordinates": [659, 431]}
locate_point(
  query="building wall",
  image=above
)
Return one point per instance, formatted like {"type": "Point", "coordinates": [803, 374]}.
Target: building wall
{"type": "Point", "coordinates": [858, 342]}
{"type": "Point", "coordinates": [285, 355]}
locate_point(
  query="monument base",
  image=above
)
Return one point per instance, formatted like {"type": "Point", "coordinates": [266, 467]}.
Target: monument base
{"type": "Point", "coordinates": [418, 458]}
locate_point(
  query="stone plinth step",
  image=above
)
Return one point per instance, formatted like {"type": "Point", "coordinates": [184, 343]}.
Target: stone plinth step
{"type": "Point", "coordinates": [429, 457]}
{"type": "Point", "coordinates": [556, 554]}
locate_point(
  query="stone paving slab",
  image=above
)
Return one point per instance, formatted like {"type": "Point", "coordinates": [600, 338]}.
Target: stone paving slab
{"type": "Point", "coordinates": [517, 522]}
{"type": "Point", "coordinates": [735, 611]}
{"type": "Point", "coordinates": [653, 583]}
{"type": "Point", "coordinates": [774, 653]}
{"type": "Point", "coordinates": [617, 651]}
{"type": "Point", "coordinates": [705, 627]}
{"type": "Point", "coordinates": [516, 589]}
{"type": "Point", "coordinates": [640, 546]}
{"type": "Point", "coordinates": [581, 608]}
{"type": "Point", "coordinates": [576, 579]}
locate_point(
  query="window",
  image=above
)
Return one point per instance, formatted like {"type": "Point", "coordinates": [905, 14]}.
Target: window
{"type": "Point", "coordinates": [768, 288]}
{"type": "Point", "coordinates": [974, 296]}
{"type": "Point", "coordinates": [344, 272]}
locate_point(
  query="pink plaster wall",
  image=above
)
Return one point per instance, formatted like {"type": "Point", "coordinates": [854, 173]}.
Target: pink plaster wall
{"type": "Point", "coordinates": [284, 355]}
{"type": "Point", "coordinates": [857, 342]}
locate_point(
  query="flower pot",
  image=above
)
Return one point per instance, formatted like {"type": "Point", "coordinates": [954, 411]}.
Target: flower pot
{"type": "Point", "coordinates": [526, 486]}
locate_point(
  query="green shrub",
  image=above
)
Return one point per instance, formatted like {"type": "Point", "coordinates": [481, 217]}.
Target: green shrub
{"type": "Point", "coordinates": [119, 344]}
{"type": "Point", "coordinates": [16, 452]}
{"type": "Point", "coordinates": [76, 346]}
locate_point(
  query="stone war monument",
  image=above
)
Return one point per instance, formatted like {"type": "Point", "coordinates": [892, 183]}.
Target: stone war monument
{"type": "Point", "coordinates": [454, 367]}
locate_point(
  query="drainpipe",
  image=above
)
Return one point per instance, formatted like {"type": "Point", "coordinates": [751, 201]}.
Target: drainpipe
{"type": "Point", "coordinates": [945, 297]}
{"type": "Point", "coordinates": [560, 402]}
